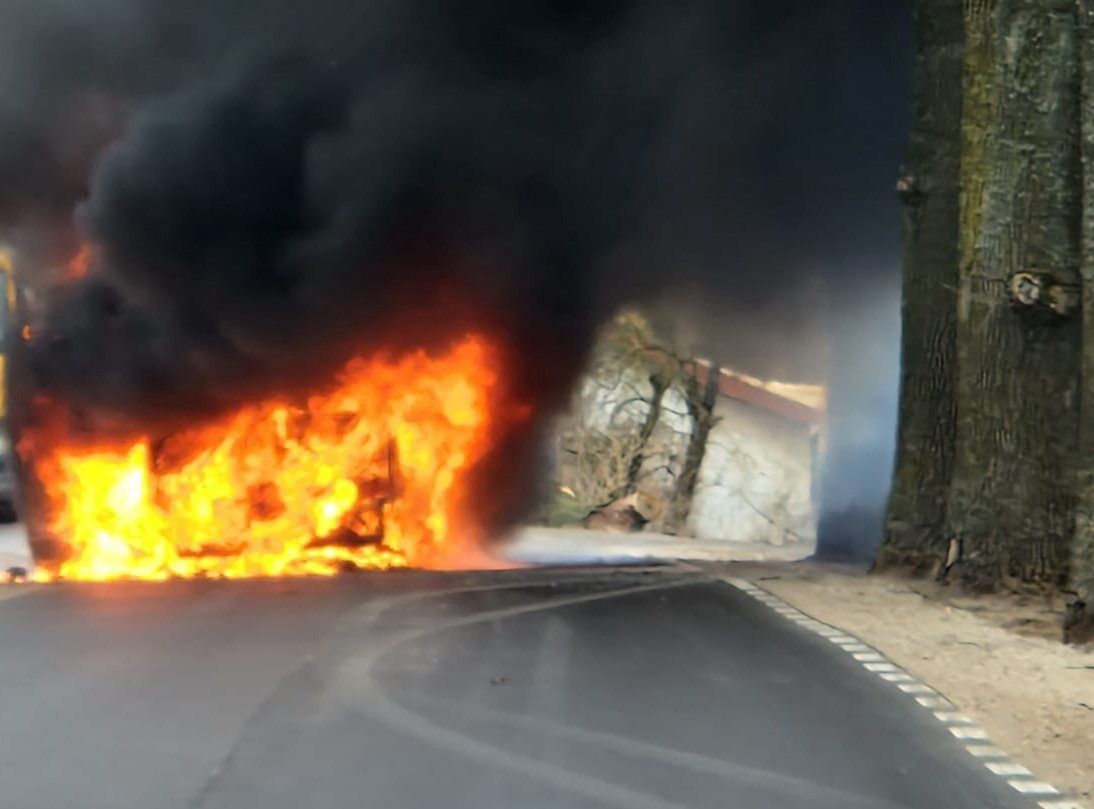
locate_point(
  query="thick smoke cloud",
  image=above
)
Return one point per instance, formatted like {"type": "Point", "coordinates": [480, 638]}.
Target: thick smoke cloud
{"type": "Point", "coordinates": [280, 209]}
{"type": "Point", "coordinates": [279, 204]}
{"type": "Point", "coordinates": [272, 185]}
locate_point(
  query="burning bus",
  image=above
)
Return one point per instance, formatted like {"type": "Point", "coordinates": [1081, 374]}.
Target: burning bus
{"type": "Point", "coordinates": [370, 466]}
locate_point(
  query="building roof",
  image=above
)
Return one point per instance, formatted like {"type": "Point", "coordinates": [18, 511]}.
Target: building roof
{"type": "Point", "coordinates": [800, 403]}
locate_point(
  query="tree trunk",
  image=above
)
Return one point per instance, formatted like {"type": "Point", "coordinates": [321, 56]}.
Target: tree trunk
{"type": "Point", "coordinates": [645, 432]}
{"type": "Point", "coordinates": [1010, 507]}
{"type": "Point", "coordinates": [1079, 625]}
{"type": "Point", "coordinates": [701, 398]}
{"type": "Point", "coordinates": [929, 190]}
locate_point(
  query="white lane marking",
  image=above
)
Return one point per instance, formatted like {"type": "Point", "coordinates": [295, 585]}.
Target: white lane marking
{"type": "Point", "coordinates": [951, 718]}
{"type": "Point", "coordinates": [1033, 787]}
{"type": "Point", "coordinates": [960, 726]}
{"type": "Point", "coordinates": [898, 677]}
{"type": "Point", "coordinates": [1007, 768]}
{"type": "Point", "coordinates": [935, 703]}
{"type": "Point", "coordinates": [916, 688]}
{"type": "Point", "coordinates": [879, 667]}
{"type": "Point", "coordinates": [868, 657]}
{"type": "Point", "coordinates": [969, 732]}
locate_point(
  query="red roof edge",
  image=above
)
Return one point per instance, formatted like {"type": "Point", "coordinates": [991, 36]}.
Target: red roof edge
{"type": "Point", "coordinates": [733, 387]}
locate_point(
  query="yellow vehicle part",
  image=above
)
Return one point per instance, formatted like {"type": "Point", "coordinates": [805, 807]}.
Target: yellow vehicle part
{"type": "Point", "coordinates": [9, 299]}
{"type": "Point", "coordinates": [9, 279]}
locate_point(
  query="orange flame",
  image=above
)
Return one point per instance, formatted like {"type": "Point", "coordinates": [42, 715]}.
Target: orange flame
{"type": "Point", "coordinates": [370, 473]}
{"type": "Point", "coordinates": [80, 263]}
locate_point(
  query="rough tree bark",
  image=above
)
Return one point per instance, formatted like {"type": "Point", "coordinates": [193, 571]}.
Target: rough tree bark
{"type": "Point", "coordinates": [701, 399]}
{"type": "Point", "coordinates": [1010, 507]}
{"type": "Point", "coordinates": [1020, 502]}
{"type": "Point", "coordinates": [629, 485]}
{"type": "Point", "coordinates": [928, 189]}
{"type": "Point", "coordinates": [1079, 624]}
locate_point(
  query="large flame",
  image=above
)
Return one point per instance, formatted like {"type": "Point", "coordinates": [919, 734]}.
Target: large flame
{"type": "Point", "coordinates": [369, 473]}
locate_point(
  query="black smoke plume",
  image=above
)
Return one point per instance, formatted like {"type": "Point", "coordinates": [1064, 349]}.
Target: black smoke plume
{"type": "Point", "coordinates": [273, 185]}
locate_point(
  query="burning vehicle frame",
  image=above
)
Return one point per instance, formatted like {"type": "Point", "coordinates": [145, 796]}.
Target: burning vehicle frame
{"type": "Point", "coordinates": [367, 472]}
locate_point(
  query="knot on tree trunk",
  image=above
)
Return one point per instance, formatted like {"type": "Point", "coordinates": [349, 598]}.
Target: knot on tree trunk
{"type": "Point", "coordinates": [1040, 292]}
{"type": "Point", "coordinates": [907, 188]}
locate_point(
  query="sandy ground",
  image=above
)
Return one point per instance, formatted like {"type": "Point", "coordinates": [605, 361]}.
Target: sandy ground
{"type": "Point", "coordinates": [999, 659]}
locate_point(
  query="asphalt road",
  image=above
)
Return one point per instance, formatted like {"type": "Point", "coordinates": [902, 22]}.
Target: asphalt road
{"type": "Point", "coordinates": [638, 689]}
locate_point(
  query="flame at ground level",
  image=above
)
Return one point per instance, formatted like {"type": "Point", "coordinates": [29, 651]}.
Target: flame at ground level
{"type": "Point", "coordinates": [369, 473]}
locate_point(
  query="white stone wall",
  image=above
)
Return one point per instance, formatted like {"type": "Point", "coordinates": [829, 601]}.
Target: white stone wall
{"type": "Point", "coordinates": [755, 483]}
{"type": "Point", "coordinates": [598, 438]}
{"type": "Point", "coordinates": [614, 399]}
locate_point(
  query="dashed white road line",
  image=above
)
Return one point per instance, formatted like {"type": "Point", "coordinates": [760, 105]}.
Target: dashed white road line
{"type": "Point", "coordinates": [879, 667]}
{"type": "Point", "coordinates": [952, 718]}
{"type": "Point", "coordinates": [1007, 768]}
{"type": "Point", "coordinates": [969, 733]}
{"type": "Point", "coordinates": [1033, 787]}
{"type": "Point", "coordinates": [935, 703]}
{"type": "Point", "coordinates": [867, 657]}
{"type": "Point", "coordinates": [897, 677]}
{"type": "Point", "coordinates": [960, 726]}
{"type": "Point", "coordinates": [916, 688]}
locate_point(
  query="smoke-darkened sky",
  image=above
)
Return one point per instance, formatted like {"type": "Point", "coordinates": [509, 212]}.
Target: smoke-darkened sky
{"type": "Point", "coordinates": [743, 148]}
{"type": "Point", "coordinates": [269, 182]}
{"type": "Point", "coordinates": [806, 222]}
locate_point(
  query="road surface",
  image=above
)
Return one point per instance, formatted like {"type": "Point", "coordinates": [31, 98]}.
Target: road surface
{"type": "Point", "coordinates": [647, 688]}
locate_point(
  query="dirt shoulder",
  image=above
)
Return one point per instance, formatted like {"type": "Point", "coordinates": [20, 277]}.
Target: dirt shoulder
{"type": "Point", "coordinates": [998, 658]}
